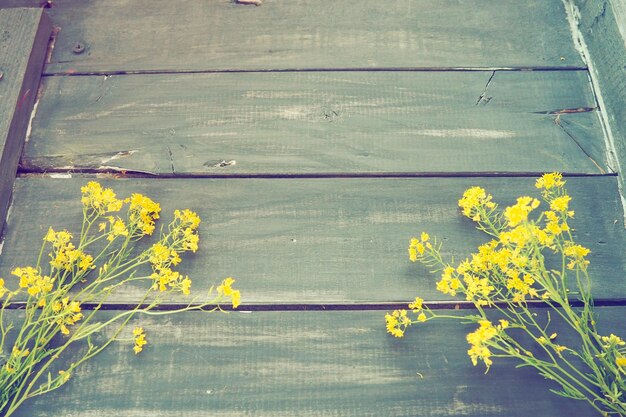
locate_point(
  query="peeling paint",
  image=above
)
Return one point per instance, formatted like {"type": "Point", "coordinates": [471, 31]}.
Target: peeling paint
{"type": "Point", "coordinates": [466, 133]}
{"type": "Point", "coordinates": [119, 155]}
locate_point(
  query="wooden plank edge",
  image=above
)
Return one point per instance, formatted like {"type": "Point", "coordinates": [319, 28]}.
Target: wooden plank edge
{"type": "Point", "coordinates": [434, 305]}
{"type": "Point", "coordinates": [51, 71]}
{"type": "Point", "coordinates": [20, 119]}
{"type": "Point", "coordinates": [599, 30]}
{"type": "Point", "coordinates": [111, 172]}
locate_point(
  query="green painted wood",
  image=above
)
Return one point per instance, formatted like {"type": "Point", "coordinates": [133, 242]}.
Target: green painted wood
{"type": "Point", "coordinates": [24, 37]}
{"type": "Point", "coordinates": [5, 4]}
{"type": "Point", "coordinates": [321, 241]}
{"type": "Point", "coordinates": [320, 122]}
{"type": "Point", "coordinates": [147, 35]}
{"type": "Point", "coordinates": [602, 25]}
{"type": "Point", "coordinates": [304, 364]}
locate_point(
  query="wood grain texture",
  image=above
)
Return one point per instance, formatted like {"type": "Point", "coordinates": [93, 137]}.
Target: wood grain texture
{"type": "Point", "coordinates": [304, 364]}
{"type": "Point", "coordinates": [147, 35]}
{"type": "Point", "coordinates": [321, 241]}
{"type": "Point", "coordinates": [603, 28]}
{"type": "Point", "coordinates": [24, 37]}
{"type": "Point", "coordinates": [320, 122]}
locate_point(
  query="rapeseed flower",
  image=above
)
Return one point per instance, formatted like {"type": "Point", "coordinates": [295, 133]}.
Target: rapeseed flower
{"type": "Point", "coordinates": [140, 339]}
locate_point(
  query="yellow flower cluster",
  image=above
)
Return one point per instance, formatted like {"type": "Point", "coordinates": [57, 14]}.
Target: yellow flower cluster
{"type": "Point", "coordinates": [397, 322]}
{"type": "Point", "coordinates": [36, 284]}
{"type": "Point", "coordinates": [3, 289]}
{"type": "Point", "coordinates": [225, 289]}
{"type": "Point", "coordinates": [550, 181]}
{"type": "Point", "coordinates": [612, 341]}
{"type": "Point", "coordinates": [64, 255]}
{"type": "Point", "coordinates": [116, 227]}
{"type": "Point", "coordinates": [162, 257]}
{"type": "Point", "coordinates": [417, 247]}
{"type": "Point", "coordinates": [101, 200]}
{"type": "Point", "coordinates": [476, 203]}
{"type": "Point", "coordinates": [188, 223]}
{"type": "Point", "coordinates": [576, 255]}
{"type": "Point", "coordinates": [142, 214]}
{"type": "Point", "coordinates": [518, 213]}
{"type": "Point", "coordinates": [68, 313]}
{"type": "Point", "coordinates": [140, 339]}
{"type": "Point", "coordinates": [417, 306]}
{"type": "Point", "coordinates": [479, 340]}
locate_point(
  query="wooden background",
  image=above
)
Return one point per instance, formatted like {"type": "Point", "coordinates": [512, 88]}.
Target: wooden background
{"type": "Point", "coordinates": [314, 139]}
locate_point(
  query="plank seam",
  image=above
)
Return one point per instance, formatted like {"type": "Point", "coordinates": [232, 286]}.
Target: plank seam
{"type": "Point", "coordinates": [314, 69]}
{"type": "Point", "coordinates": [374, 306]}
{"type": "Point", "coordinates": [121, 173]}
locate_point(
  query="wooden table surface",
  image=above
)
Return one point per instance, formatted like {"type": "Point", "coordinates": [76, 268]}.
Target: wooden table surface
{"type": "Point", "coordinates": [314, 139]}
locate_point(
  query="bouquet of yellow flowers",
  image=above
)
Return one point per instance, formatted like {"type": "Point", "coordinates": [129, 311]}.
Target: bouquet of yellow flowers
{"type": "Point", "coordinates": [86, 271]}
{"type": "Point", "coordinates": [511, 269]}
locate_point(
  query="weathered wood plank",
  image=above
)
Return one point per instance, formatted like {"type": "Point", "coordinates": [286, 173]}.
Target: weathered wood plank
{"type": "Point", "coordinates": [304, 364]}
{"type": "Point", "coordinates": [147, 35]}
{"type": "Point", "coordinates": [322, 240]}
{"type": "Point", "coordinates": [320, 122]}
{"type": "Point", "coordinates": [602, 27]}
{"type": "Point", "coordinates": [24, 37]}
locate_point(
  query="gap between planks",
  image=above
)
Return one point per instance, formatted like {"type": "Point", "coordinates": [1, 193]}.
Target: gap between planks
{"type": "Point", "coordinates": [313, 69]}
{"type": "Point", "coordinates": [122, 173]}
{"type": "Point", "coordinates": [247, 308]}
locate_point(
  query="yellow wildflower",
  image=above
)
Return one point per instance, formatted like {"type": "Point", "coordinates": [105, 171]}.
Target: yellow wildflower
{"type": "Point", "coordinates": [549, 181]}
{"type": "Point", "coordinates": [142, 213]}
{"type": "Point", "coordinates": [35, 283]}
{"type": "Point", "coordinates": [225, 289]}
{"type": "Point", "coordinates": [101, 200]}
{"type": "Point", "coordinates": [612, 341]}
{"type": "Point", "coordinates": [50, 236]}
{"type": "Point", "coordinates": [560, 204]}
{"type": "Point", "coordinates": [397, 322]}
{"type": "Point", "coordinates": [577, 254]}
{"type": "Point", "coordinates": [190, 239]}
{"type": "Point", "coordinates": [140, 339]}
{"type": "Point", "coordinates": [118, 228]}
{"type": "Point", "coordinates": [3, 289]}
{"type": "Point", "coordinates": [417, 304]}
{"type": "Point", "coordinates": [187, 218]}
{"type": "Point", "coordinates": [620, 362]}
{"type": "Point", "coordinates": [186, 286]}
{"type": "Point", "coordinates": [477, 289]}
{"type": "Point", "coordinates": [65, 376]}
{"type": "Point", "coordinates": [412, 254]}
{"type": "Point", "coordinates": [421, 317]}
{"type": "Point", "coordinates": [479, 340]}
{"type": "Point", "coordinates": [518, 213]}
{"type": "Point", "coordinates": [473, 200]}
{"type": "Point", "coordinates": [68, 312]}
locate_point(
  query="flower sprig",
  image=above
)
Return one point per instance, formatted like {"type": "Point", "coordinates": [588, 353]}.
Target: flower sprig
{"type": "Point", "coordinates": [103, 259]}
{"type": "Point", "coordinates": [510, 270]}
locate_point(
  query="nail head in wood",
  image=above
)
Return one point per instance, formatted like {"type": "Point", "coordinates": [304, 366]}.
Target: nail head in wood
{"type": "Point", "coordinates": [78, 48]}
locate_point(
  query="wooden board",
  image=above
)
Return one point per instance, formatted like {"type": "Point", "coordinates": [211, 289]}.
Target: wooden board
{"type": "Point", "coordinates": [322, 241]}
{"type": "Point", "coordinates": [148, 35]}
{"type": "Point", "coordinates": [320, 122]}
{"type": "Point", "coordinates": [304, 364]}
{"type": "Point", "coordinates": [24, 35]}
{"type": "Point", "coordinates": [602, 26]}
